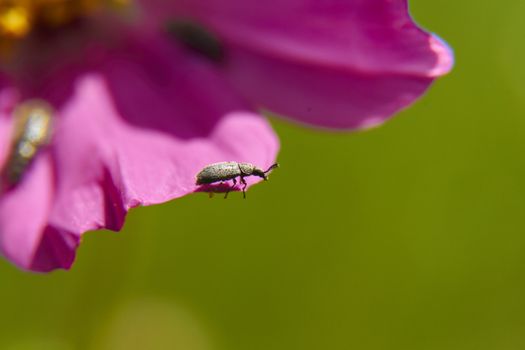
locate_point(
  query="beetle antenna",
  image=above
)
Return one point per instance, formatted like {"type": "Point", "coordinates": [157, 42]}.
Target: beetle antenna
{"type": "Point", "coordinates": [276, 165]}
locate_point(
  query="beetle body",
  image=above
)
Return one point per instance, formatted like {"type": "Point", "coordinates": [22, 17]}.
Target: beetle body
{"type": "Point", "coordinates": [224, 171]}
{"type": "Point", "coordinates": [32, 131]}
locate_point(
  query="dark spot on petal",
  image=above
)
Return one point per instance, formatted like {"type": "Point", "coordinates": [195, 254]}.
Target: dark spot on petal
{"type": "Point", "coordinates": [197, 39]}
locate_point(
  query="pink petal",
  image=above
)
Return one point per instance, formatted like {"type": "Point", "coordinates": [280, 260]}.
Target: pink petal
{"type": "Point", "coordinates": [23, 213]}
{"type": "Point", "coordinates": [5, 137]}
{"type": "Point", "coordinates": [56, 250]}
{"type": "Point", "coordinates": [8, 99]}
{"type": "Point", "coordinates": [26, 238]}
{"type": "Point", "coordinates": [133, 132]}
{"type": "Point", "coordinates": [337, 63]}
{"type": "Point", "coordinates": [137, 132]}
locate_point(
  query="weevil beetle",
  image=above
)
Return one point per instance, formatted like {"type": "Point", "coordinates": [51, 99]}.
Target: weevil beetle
{"type": "Point", "coordinates": [33, 121]}
{"type": "Point", "coordinates": [224, 171]}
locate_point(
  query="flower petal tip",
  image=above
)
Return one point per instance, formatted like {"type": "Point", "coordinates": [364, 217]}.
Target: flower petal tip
{"type": "Point", "coordinates": [444, 56]}
{"type": "Point", "coordinates": [57, 250]}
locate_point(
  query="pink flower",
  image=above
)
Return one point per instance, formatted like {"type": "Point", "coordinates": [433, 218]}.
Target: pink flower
{"type": "Point", "coordinates": [332, 63]}
{"type": "Point", "coordinates": [137, 112]}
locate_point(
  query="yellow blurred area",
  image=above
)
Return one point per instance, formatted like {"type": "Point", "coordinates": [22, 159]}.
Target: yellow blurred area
{"type": "Point", "coordinates": [150, 323]}
{"type": "Point", "coordinates": [15, 21]}
{"type": "Point", "coordinates": [19, 17]}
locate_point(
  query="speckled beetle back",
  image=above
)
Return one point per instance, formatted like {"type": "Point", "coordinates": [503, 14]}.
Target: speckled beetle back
{"type": "Point", "coordinates": [224, 171]}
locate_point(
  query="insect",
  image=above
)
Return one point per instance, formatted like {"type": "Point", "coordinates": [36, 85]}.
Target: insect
{"type": "Point", "coordinates": [224, 171]}
{"type": "Point", "coordinates": [197, 39]}
{"type": "Point", "coordinates": [32, 131]}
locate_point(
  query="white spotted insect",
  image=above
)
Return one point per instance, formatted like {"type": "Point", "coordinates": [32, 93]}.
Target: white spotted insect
{"type": "Point", "coordinates": [224, 171]}
{"type": "Point", "coordinates": [32, 131]}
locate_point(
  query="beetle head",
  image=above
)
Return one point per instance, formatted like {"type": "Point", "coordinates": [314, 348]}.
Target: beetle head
{"type": "Point", "coordinates": [262, 174]}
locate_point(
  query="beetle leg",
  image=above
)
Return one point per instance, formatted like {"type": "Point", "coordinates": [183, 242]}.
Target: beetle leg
{"type": "Point", "coordinates": [231, 188]}
{"type": "Point", "coordinates": [244, 187]}
{"type": "Point", "coordinates": [226, 194]}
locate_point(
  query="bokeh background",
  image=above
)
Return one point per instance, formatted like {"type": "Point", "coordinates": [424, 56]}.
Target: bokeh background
{"type": "Point", "coordinates": [408, 236]}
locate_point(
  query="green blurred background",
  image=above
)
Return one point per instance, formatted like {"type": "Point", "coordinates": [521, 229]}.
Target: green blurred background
{"type": "Point", "coordinates": [409, 236]}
